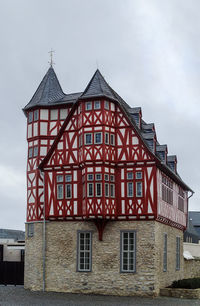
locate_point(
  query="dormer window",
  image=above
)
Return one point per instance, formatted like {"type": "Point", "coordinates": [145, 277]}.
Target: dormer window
{"type": "Point", "coordinates": [97, 105]}
{"type": "Point", "coordinates": [88, 106]}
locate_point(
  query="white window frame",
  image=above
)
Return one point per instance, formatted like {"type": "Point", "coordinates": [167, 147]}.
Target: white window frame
{"type": "Point", "coordinates": [129, 195]}
{"type": "Point", "coordinates": [138, 195]}
{"type": "Point", "coordinates": [98, 195]}
{"type": "Point", "coordinates": [35, 151]}
{"type": "Point", "coordinates": [70, 189]}
{"type": "Point", "coordinates": [127, 176]}
{"type": "Point", "coordinates": [106, 190]}
{"type": "Point", "coordinates": [106, 177]}
{"type": "Point", "coordinates": [92, 177]}
{"type": "Point", "coordinates": [112, 194]}
{"type": "Point", "coordinates": [95, 142]}
{"type": "Point", "coordinates": [138, 175]}
{"type": "Point", "coordinates": [98, 178]}
{"type": "Point", "coordinates": [53, 114]}
{"type": "Point", "coordinates": [128, 250]}
{"type": "Point", "coordinates": [36, 115]}
{"type": "Point", "coordinates": [87, 144]}
{"type": "Point", "coordinates": [112, 136]}
{"type": "Point", "coordinates": [68, 178]}
{"type": "Point", "coordinates": [30, 152]}
{"type": "Point", "coordinates": [30, 117]}
{"type": "Point", "coordinates": [90, 195]}
{"type": "Point", "coordinates": [60, 196]}
{"type": "Point", "coordinates": [95, 105]}
{"type": "Point", "coordinates": [106, 105]}
{"type": "Point", "coordinates": [88, 106]}
{"type": "Point", "coordinates": [59, 178]}
{"type": "Point", "coordinates": [85, 251]}
{"type": "Point", "coordinates": [107, 136]}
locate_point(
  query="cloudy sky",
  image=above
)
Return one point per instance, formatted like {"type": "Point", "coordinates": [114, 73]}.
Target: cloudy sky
{"type": "Point", "coordinates": [148, 51]}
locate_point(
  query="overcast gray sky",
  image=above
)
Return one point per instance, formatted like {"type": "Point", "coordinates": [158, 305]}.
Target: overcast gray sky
{"type": "Point", "coordinates": [147, 50]}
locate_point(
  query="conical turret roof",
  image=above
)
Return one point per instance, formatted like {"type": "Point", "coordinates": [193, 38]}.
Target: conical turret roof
{"type": "Point", "coordinates": [49, 91]}
{"type": "Point", "coordinates": [98, 87]}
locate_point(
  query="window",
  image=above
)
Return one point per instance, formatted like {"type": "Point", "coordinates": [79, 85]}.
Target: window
{"type": "Point", "coordinates": [36, 115]}
{"type": "Point", "coordinates": [128, 251]}
{"type": "Point", "coordinates": [178, 253]}
{"type": "Point", "coordinates": [60, 191]}
{"type": "Point", "coordinates": [84, 257]}
{"type": "Point", "coordinates": [138, 175]}
{"type": "Point", "coordinates": [68, 178]}
{"type": "Point", "coordinates": [138, 189]}
{"type": "Point", "coordinates": [106, 105]}
{"type": "Point", "coordinates": [90, 177]}
{"type": "Point", "coordinates": [30, 153]}
{"type": "Point", "coordinates": [130, 189]}
{"type": "Point", "coordinates": [112, 190]}
{"type": "Point", "coordinates": [97, 105]}
{"type": "Point", "coordinates": [165, 253]}
{"type": "Point", "coordinates": [35, 151]}
{"type": "Point", "coordinates": [30, 117]}
{"type": "Point", "coordinates": [106, 189]}
{"type": "Point", "coordinates": [63, 113]}
{"type": "Point", "coordinates": [112, 178]}
{"type": "Point", "coordinates": [59, 178]}
{"type": "Point", "coordinates": [97, 138]}
{"type": "Point", "coordinates": [88, 106]}
{"type": "Point", "coordinates": [98, 177]}
{"type": "Point", "coordinates": [106, 177]}
{"type": "Point", "coordinates": [181, 197]}
{"type": "Point", "coordinates": [68, 191]}
{"type": "Point", "coordinates": [98, 189]}
{"type": "Point", "coordinates": [90, 191]}
{"type": "Point", "coordinates": [30, 229]}
{"type": "Point", "coordinates": [167, 194]}
{"type": "Point", "coordinates": [106, 138]}
{"type": "Point", "coordinates": [129, 175]}
{"type": "Point", "coordinates": [112, 139]}
{"type": "Point", "coordinates": [88, 138]}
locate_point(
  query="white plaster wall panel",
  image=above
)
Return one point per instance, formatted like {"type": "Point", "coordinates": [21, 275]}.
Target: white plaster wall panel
{"type": "Point", "coordinates": [75, 190]}
{"type": "Point", "coordinates": [43, 141]}
{"type": "Point", "coordinates": [43, 129]}
{"type": "Point", "coordinates": [44, 114]}
{"type": "Point", "coordinates": [29, 130]}
{"type": "Point", "coordinates": [112, 106]}
{"type": "Point", "coordinates": [119, 142]}
{"type": "Point", "coordinates": [75, 143]}
{"type": "Point", "coordinates": [98, 169]}
{"type": "Point", "coordinates": [75, 207]}
{"type": "Point", "coordinates": [53, 114]}
{"type": "Point", "coordinates": [60, 145]}
{"type": "Point", "coordinates": [122, 174]}
{"type": "Point", "coordinates": [63, 113]}
{"type": "Point", "coordinates": [43, 151]}
{"type": "Point", "coordinates": [122, 189]}
{"type": "Point", "coordinates": [135, 140]}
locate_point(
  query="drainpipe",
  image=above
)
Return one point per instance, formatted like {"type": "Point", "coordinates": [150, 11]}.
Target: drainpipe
{"type": "Point", "coordinates": [44, 235]}
{"type": "Point", "coordinates": [192, 192]}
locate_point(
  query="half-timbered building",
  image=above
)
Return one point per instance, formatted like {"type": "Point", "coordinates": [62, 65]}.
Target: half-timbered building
{"type": "Point", "coordinates": [106, 208]}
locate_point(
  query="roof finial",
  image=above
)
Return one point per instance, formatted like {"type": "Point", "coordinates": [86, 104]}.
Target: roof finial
{"type": "Point", "coordinates": [51, 58]}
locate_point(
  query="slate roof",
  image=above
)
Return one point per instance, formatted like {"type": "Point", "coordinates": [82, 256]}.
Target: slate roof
{"type": "Point", "coordinates": [194, 216]}
{"type": "Point", "coordinates": [49, 93]}
{"type": "Point", "coordinates": [191, 228]}
{"type": "Point", "coordinates": [12, 234]}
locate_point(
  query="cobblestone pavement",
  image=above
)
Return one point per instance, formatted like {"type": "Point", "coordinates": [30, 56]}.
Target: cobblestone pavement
{"type": "Point", "coordinates": [11, 295]}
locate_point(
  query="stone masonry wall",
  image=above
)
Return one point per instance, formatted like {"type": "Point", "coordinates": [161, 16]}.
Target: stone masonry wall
{"type": "Point", "coordinates": [166, 278]}
{"type": "Point", "coordinates": [33, 273]}
{"type": "Point", "coordinates": [105, 277]}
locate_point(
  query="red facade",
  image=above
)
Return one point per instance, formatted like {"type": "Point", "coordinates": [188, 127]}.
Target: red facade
{"type": "Point", "coordinates": [95, 158]}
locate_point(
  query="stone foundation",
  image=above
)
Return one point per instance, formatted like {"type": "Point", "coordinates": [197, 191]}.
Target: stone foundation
{"type": "Point", "coordinates": [105, 277]}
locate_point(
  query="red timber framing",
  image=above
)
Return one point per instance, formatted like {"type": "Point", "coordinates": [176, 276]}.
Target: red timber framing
{"type": "Point", "coordinates": [96, 166]}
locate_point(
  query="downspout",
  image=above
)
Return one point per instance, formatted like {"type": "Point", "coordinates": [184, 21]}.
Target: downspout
{"type": "Point", "coordinates": [192, 192]}
{"type": "Point", "coordinates": [44, 235]}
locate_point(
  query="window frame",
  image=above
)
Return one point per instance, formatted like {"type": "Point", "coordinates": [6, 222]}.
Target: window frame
{"type": "Point", "coordinates": [35, 151]}
{"type": "Point", "coordinates": [30, 152]}
{"type": "Point", "coordinates": [136, 189]}
{"type": "Point", "coordinates": [112, 195]}
{"type": "Point", "coordinates": [165, 252]}
{"type": "Point", "coordinates": [36, 115]}
{"type": "Point", "coordinates": [78, 269]}
{"type": "Point", "coordinates": [57, 192]}
{"type": "Point", "coordinates": [30, 117]}
{"type": "Point", "coordinates": [128, 193]}
{"type": "Point", "coordinates": [98, 195]}
{"type": "Point", "coordinates": [86, 106]}
{"type": "Point", "coordinates": [106, 105]}
{"type": "Point", "coordinates": [107, 138]}
{"type": "Point", "coordinates": [30, 229]}
{"type": "Point", "coordinates": [99, 104]}
{"type": "Point", "coordinates": [88, 144]}
{"type": "Point", "coordinates": [178, 253]}
{"type": "Point", "coordinates": [88, 195]}
{"type": "Point", "coordinates": [112, 136]}
{"type": "Point", "coordinates": [66, 185]}
{"type": "Point", "coordinates": [95, 142]}
{"type": "Point", "coordinates": [122, 270]}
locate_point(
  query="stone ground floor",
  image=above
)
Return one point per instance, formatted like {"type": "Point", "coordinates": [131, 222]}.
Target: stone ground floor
{"type": "Point", "coordinates": [11, 295]}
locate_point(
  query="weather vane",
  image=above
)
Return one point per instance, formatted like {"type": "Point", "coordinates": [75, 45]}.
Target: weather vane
{"type": "Point", "coordinates": [51, 58]}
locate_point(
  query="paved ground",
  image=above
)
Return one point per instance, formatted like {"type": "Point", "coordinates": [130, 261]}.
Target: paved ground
{"type": "Point", "coordinates": [11, 295]}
